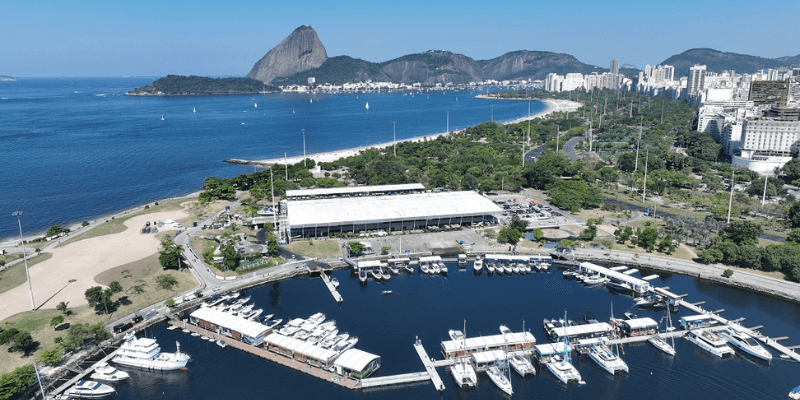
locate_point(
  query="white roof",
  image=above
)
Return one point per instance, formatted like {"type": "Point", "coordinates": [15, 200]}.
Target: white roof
{"type": "Point", "coordinates": [430, 259]}
{"type": "Point", "coordinates": [480, 342]}
{"type": "Point", "coordinates": [359, 210]}
{"type": "Point", "coordinates": [585, 329]}
{"type": "Point", "coordinates": [354, 190]}
{"type": "Point", "coordinates": [640, 323]}
{"type": "Point", "coordinates": [696, 317]}
{"type": "Point", "coordinates": [489, 357]}
{"type": "Point", "coordinates": [302, 347]}
{"type": "Point", "coordinates": [550, 348]}
{"type": "Point", "coordinates": [369, 264]}
{"type": "Point", "coordinates": [635, 282]}
{"type": "Point", "coordinates": [232, 322]}
{"type": "Point", "coordinates": [509, 257]}
{"type": "Point", "coordinates": [355, 359]}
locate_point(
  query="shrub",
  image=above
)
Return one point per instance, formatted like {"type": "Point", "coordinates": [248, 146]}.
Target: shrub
{"type": "Point", "coordinates": [728, 273]}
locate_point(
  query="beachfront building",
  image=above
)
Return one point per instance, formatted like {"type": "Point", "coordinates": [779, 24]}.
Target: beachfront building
{"type": "Point", "coordinates": [326, 216]}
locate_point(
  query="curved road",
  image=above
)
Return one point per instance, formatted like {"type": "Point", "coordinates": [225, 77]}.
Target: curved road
{"type": "Point", "coordinates": [569, 147]}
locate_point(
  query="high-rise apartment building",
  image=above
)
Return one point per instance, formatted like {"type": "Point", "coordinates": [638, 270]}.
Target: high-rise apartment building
{"type": "Point", "coordinates": [615, 66]}
{"type": "Point", "coordinates": [697, 77]}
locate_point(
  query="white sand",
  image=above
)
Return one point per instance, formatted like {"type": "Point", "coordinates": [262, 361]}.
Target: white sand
{"type": "Point", "coordinates": [82, 261]}
{"type": "Point", "coordinates": [551, 107]}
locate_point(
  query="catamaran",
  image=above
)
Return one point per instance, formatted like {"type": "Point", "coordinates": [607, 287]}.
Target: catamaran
{"type": "Point", "coordinates": [561, 367]}
{"type": "Point", "coordinates": [710, 342]}
{"type": "Point", "coordinates": [522, 364]}
{"type": "Point", "coordinates": [738, 336]}
{"type": "Point", "coordinates": [602, 355]}
{"type": "Point", "coordinates": [462, 371]}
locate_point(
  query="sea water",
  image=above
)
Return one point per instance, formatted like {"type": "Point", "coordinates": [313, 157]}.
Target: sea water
{"type": "Point", "coordinates": [75, 148]}
{"type": "Point", "coordinates": [426, 307]}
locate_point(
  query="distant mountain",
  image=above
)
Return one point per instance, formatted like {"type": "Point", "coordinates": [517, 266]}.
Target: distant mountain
{"type": "Point", "coordinates": [791, 60]}
{"type": "Point", "coordinates": [177, 85]}
{"type": "Point", "coordinates": [718, 61]}
{"type": "Point", "coordinates": [432, 67]}
{"type": "Point", "coordinates": [533, 64]}
{"type": "Point", "coordinates": [337, 70]}
{"type": "Point", "coordinates": [300, 51]}
{"type": "Point", "coordinates": [6, 78]}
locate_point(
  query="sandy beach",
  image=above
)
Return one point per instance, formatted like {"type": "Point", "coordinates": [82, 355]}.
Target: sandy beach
{"type": "Point", "coordinates": [82, 261]}
{"type": "Point", "coordinates": [552, 106]}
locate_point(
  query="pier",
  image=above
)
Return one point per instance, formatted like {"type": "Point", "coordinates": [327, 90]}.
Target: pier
{"type": "Point", "coordinates": [78, 377]}
{"type": "Point", "coordinates": [429, 366]}
{"type": "Point", "coordinates": [334, 291]}
{"type": "Point", "coordinates": [394, 380]}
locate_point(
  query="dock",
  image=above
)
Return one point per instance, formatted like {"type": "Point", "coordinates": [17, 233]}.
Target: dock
{"type": "Point", "coordinates": [394, 379]}
{"type": "Point", "coordinates": [434, 376]}
{"type": "Point", "coordinates": [334, 292]}
{"type": "Point", "coordinates": [279, 359]}
{"type": "Point", "coordinates": [53, 394]}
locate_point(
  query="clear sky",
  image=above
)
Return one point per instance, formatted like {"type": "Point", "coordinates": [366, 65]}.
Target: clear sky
{"type": "Point", "coordinates": [120, 38]}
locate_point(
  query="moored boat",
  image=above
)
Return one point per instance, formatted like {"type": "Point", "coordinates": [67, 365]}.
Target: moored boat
{"type": "Point", "coordinates": [105, 372]}
{"type": "Point", "coordinates": [477, 266]}
{"type": "Point", "coordinates": [499, 379]}
{"type": "Point", "coordinates": [90, 390]}
{"type": "Point", "coordinates": [464, 374]}
{"type": "Point", "coordinates": [737, 336]}
{"type": "Point", "coordinates": [602, 356]}
{"type": "Point", "coordinates": [146, 353]}
{"type": "Point", "coordinates": [522, 364]}
{"type": "Point", "coordinates": [710, 342]}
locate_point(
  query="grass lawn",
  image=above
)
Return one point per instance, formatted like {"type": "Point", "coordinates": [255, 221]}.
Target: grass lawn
{"type": "Point", "coordinates": [679, 253]}
{"type": "Point", "coordinates": [15, 275]}
{"type": "Point", "coordinates": [315, 248]}
{"type": "Point", "coordinates": [11, 257]}
{"type": "Point", "coordinates": [201, 245]}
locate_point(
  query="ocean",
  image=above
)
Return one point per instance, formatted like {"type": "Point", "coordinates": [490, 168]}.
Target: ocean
{"type": "Point", "coordinates": [426, 307]}
{"type": "Point", "coordinates": [75, 148]}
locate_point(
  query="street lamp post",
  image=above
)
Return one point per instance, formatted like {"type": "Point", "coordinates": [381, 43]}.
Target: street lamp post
{"type": "Point", "coordinates": [25, 258]}
{"type": "Point", "coordinates": [304, 147]}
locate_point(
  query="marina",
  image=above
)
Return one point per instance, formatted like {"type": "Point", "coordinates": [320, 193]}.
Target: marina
{"type": "Point", "coordinates": [331, 287]}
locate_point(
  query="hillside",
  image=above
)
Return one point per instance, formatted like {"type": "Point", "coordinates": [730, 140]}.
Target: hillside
{"type": "Point", "coordinates": [432, 67]}
{"type": "Point", "coordinates": [337, 70]}
{"type": "Point", "coordinates": [791, 60]}
{"type": "Point", "coordinates": [533, 64]}
{"type": "Point", "coordinates": [718, 61]}
{"type": "Point", "coordinates": [300, 51]}
{"type": "Point", "coordinates": [177, 85]}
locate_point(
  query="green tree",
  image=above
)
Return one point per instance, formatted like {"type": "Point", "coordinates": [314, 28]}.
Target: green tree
{"type": "Point", "coordinates": [171, 255]}
{"type": "Point", "coordinates": [94, 295]}
{"type": "Point", "coordinates": [7, 336]}
{"type": "Point", "coordinates": [509, 235]}
{"type": "Point", "coordinates": [794, 236]}
{"type": "Point", "coordinates": [623, 234]}
{"type": "Point", "coordinates": [385, 249]}
{"type": "Point", "coordinates": [665, 245]}
{"type": "Point", "coordinates": [50, 355]}
{"type": "Point", "coordinates": [15, 383]}
{"type": "Point", "coordinates": [794, 215]}
{"type": "Point", "coordinates": [115, 287]}
{"type": "Point", "coordinates": [727, 273]}
{"type": "Point", "coordinates": [57, 320]}
{"type": "Point", "coordinates": [791, 170]}
{"type": "Point", "coordinates": [647, 238]}
{"type": "Point", "coordinates": [573, 195]}
{"type": "Point", "coordinates": [169, 303]}
{"type": "Point", "coordinates": [742, 232]}
{"type": "Point", "coordinates": [166, 281]}
{"type": "Point", "coordinates": [23, 341]}
{"type": "Point", "coordinates": [62, 307]}
{"type": "Point", "coordinates": [589, 233]}
{"type": "Point", "coordinates": [272, 247]}
{"type": "Point", "coordinates": [547, 169]}
{"type": "Point", "coordinates": [56, 230]}
{"type": "Point", "coordinates": [538, 234]}
{"type": "Point", "coordinates": [355, 247]}
{"type": "Point", "coordinates": [518, 223]}
{"type": "Point", "coordinates": [710, 256]}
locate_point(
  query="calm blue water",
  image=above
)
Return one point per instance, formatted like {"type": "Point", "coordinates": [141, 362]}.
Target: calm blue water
{"type": "Point", "coordinates": [428, 306]}
{"type": "Point", "coordinates": [68, 154]}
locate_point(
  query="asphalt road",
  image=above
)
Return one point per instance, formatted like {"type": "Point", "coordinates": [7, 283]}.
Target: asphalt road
{"type": "Point", "coordinates": [569, 147]}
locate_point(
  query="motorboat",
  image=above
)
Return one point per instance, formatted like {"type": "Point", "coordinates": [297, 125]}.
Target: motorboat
{"type": "Point", "coordinates": [490, 268]}
{"type": "Point", "coordinates": [335, 282]}
{"type": "Point", "coordinates": [221, 343]}
{"type": "Point", "coordinates": [602, 356]}
{"type": "Point", "coordinates": [105, 372]}
{"type": "Point", "coordinates": [362, 275]}
{"type": "Point", "coordinates": [498, 268]}
{"type": "Point", "coordinates": [710, 342]}
{"type": "Point", "coordinates": [385, 292]}
{"type": "Point", "coordinates": [500, 379]}
{"type": "Point", "coordinates": [385, 274]}
{"type": "Point", "coordinates": [272, 324]}
{"type": "Point", "coordinates": [329, 339]}
{"type": "Point", "coordinates": [254, 314]}
{"type": "Point", "coordinates": [569, 274]}
{"type": "Point", "coordinates": [527, 268]}
{"type": "Point", "coordinates": [90, 390]}
{"type": "Point", "coordinates": [515, 269]}
{"type": "Point", "coordinates": [464, 374]}
{"type": "Point", "coordinates": [313, 321]}
{"type": "Point", "coordinates": [443, 268]}
{"type": "Point", "coordinates": [738, 336]}
{"type": "Point", "coordinates": [521, 364]}
{"type": "Point", "coordinates": [409, 269]}
{"type": "Point", "coordinates": [455, 334]}
{"type": "Point", "coordinates": [345, 344]}
{"type": "Point", "coordinates": [594, 280]}
{"type": "Point", "coordinates": [302, 334]}
{"type": "Point", "coordinates": [376, 275]}
{"type": "Point", "coordinates": [795, 393]}
{"type": "Point", "coordinates": [424, 268]}
{"type": "Point", "coordinates": [436, 269]}
{"type": "Point", "coordinates": [507, 269]}
{"type": "Point", "coordinates": [563, 370]}
{"type": "Point", "coordinates": [146, 353]}
{"type": "Point", "coordinates": [621, 287]}
{"type": "Point", "coordinates": [394, 270]}
{"type": "Point", "coordinates": [477, 266]}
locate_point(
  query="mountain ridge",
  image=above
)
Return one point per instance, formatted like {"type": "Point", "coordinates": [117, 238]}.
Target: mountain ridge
{"type": "Point", "coordinates": [718, 61]}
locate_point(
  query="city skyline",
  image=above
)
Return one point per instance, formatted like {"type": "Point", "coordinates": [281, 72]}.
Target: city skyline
{"type": "Point", "coordinates": [200, 38]}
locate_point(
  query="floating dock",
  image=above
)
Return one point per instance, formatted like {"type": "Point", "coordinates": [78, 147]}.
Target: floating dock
{"type": "Point", "coordinates": [429, 366]}
{"type": "Point", "coordinates": [394, 380]}
{"type": "Point", "coordinates": [334, 292]}
{"type": "Point", "coordinates": [53, 394]}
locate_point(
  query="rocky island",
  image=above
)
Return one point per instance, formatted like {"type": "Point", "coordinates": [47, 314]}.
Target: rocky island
{"type": "Point", "coordinates": [177, 85]}
{"type": "Point", "coordinates": [6, 78]}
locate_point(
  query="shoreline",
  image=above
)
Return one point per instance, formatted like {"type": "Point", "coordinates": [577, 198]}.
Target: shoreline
{"type": "Point", "coordinates": [551, 106]}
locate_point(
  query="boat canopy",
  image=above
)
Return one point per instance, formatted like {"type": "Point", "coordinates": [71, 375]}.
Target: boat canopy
{"type": "Point", "coordinates": [430, 259]}
{"type": "Point", "coordinates": [484, 343]}
{"type": "Point", "coordinates": [517, 257]}
{"type": "Point", "coordinates": [638, 324]}
{"type": "Point", "coordinates": [488, 357]}
{"type": "Point", "coordinates": [252, 330]}
{"type": "Point", "coordinates": [549, 349]}
{"type": "Point", "coordinates": [639, 285]}
{"type": "Point", "coordinates": [355, 360]}
{"type": "Point", "coordinates": [369, 264]}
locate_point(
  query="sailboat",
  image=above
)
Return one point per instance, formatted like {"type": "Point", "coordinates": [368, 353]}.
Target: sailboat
{"type": "Point", "coordinates": [367, 106]}
{"type": "Point", "coordinates": [311, 101]}
{"type": "Point", "coordinates": [499, 377]}
{"type": "Point", "coordinates": [462, 371]}
{"type": "Point", "coordinates": [561, 367]}
{"type": "Point", "coordinates": [194, 109]}
{"type": "Point", "coordinates": [658, 342]}
{"type": "Point", "coordinates": [602, 355]}
{"type": "Point", "coordinates": [255, 105]}
{"type": "Point", "coordinates": [520, 361]}
{"type": "Point", "coordinates": [162, 117]}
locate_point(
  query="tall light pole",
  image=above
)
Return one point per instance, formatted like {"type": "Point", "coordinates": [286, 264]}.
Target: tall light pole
{"type": "Point", "coordinates": [730, 200]}
{"type": "Point", "coordinates": [638, 143]}
{"type": "Point", "coordinates": [644, 187]}
{"type": "Point", "coordinates": [25, 257]}
{"type": "Point", "coordinates": [764, 196]}
{"type": "Point", "coordinates": [394, 138]}
{"type": "Point", "coordinates": [304, 147]}
{"type": "Point", "coordinates": [558, 135]}
{"type": "Point", "coordinates": [447, 129]}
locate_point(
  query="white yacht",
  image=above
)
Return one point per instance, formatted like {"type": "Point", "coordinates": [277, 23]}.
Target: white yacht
{"type": "Point", "coordinates": [661, 344]}
{"type": "Point", "coordinates": [602, 355]}
{"type": "Point", "coordinates": [362, 275]}
{"type": "Point", "coordinates": [478, 265]}
{"type": "Point", "coordinates": [424, 268]}
{"type": "Point", "coordinates": [443, 268]}
{"type": "Point", "coordinates": [795, 393]}
{"type": "Point", "coordinates": [515, 269]}
{"type": "Point", "coordinates": [499, 378]}
{"type": "Point", "coordinates": [463, 373]}
{"type": "Point", "coordinates": [313, 321]}
{"type": "Point", "coordinates": [490, 268]}
{"type": "Point", "coordinates": [105, 372]}
{"type": "Point", "coordinates": [522, 364]}
{"type": "Point", "coordinates": [367, 106]}
{"type": "Point", "coordinates": [90, 390]}
{"type": "Point", "coordinates": [710, 342]}
{"type": "Point", "coordinates": [563, 370]}
{"type": "Point", "coordinates": [507, 269]}
{"type": "Point", "coordinates": [146, 353]}
{"type": "Point", "coordinates": [737, 336]}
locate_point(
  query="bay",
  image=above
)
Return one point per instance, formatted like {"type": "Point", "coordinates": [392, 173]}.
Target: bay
{"type": "Point", "coordinates": [73, 149]}
{"type": "Point", "coordinates": [426, 307]}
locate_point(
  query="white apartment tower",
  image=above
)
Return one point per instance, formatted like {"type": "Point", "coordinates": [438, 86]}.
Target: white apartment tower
{"type": "Point", "coordinates": [697, 77]}
{"type": "Point", "coordinates": [614, 66]}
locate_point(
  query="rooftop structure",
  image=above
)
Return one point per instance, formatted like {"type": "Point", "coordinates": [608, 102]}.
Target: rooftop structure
{"type": "Point", "coordinates": [356, 363]}
{"type": "Point", "coordinates": [515, 341]}
{"type": "Point", "coordinates": [355, 191]}
{"type": "Point", "coordinates": [638, 285]}
{"type": "Point", "coordinates": [300, 350]}
{"type": "Point", "coordinates": [638, 326]}
{"type": "Point", "coordinates": [408, 212]}
{"type": "Point", "coordinates": [230, 325]}
{"type": "Point", "coordinates": [583, 331]}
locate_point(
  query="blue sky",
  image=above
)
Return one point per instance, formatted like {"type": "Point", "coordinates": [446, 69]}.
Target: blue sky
{"type": "Point", "coordinates": [109, 38]}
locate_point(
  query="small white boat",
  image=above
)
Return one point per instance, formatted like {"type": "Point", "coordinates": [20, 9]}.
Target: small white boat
{"type": "Point", "coordinates": [490, 268]}
{"type": "Point", "coordinates": [522, 364]}
{"type": "Point", "coordinates": [594, 280]}
{"type": "Point", "coordinates": [194, 110]}
{"type": "Point", "coordinates": [385, 292]}
{"type": "Point", "coordinates": [362, 275]}
{"type": "Point", "coordinates": [795, 393]}
{"type": "Point", "coordinates": [515, 269]}
{"type": "Point", "coordinates": [443, 268]}
{"type": "Point", "coordinates": [436, 269]}
{"type": "Point", "coordinates": [385, 274]}
{"type": "Point", "coordinates": [376, 275]}
{"type": "Point", "coordinates": [500, 379]}
{"type": "Point", "coordinates": [737, 336]}
{"type": "Point", "coordinates": [602, 356]}
{"type": "Point", "coordinates": [367, 106]}
{"type": "Point", "coordinates": [661, 344]}
{"type": "Point", "coordinates": [507, 269]}
{"type": "Point", "coordinates": [221, 343]}
{"type": "Point", "coordinates": [424, 268]}
{"type": "Point", "coordinates": [409, 269]}
{"type": "Point", "coordinates": [464, 374]}
{"type": "Point", "coordinates": [105, 372]}
{"type": "Point", "coordinates": [90, 390]}
{"type": "Point", "coordinates": [710, 342]}
{"type": "Point", "coordinates": [477, 266]}
{"type": "Point", "coordinates": [255, 105]}
{"type": "Point", "coordinates": [162, 117]}
{"type": "Point", "coordinates": [393, 269]}
{"type": "Point", "coordinates": [335, 282]}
